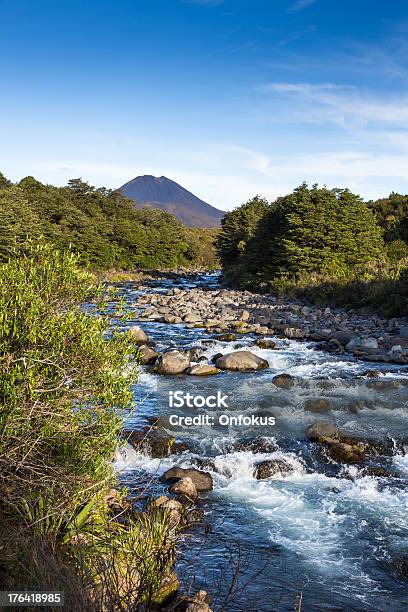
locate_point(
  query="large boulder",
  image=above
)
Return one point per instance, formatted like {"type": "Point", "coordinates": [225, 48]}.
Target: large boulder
{"type": "Point", "coordinates": [241, 361]}
{"type": "Point", "coordinates": [202, 369]}
{"type": "Point", "coordinates": [186, 487]}
{"type": "Point", "coordinates": [192, 317]}
{"type": "Point", "coordinates": [369, 345]}
{"type": "Point", "coordinates": [317, 405]}
{"type": "Point", "coordinates": [172, 362]}
{"type": "Point", "coordinates": [283, 381]}
{"type": "Point", "coordinates": [146, 355]}
{"type": "Point", "coordinates": [202, 480]}
{"type": "Point", "coordinates": [138, 335]}
{"type": "Point", "coordinates": [321, 429]}
{"type": "Point", "coordinates": [264, 343]}
{"type": "Point", "coordinates": [294, 333]}
{"type": "Point", "coordinates": [272, 467]}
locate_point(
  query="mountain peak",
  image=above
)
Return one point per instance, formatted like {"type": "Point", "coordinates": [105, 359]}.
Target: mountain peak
{"type": "Point", "coordinates": [164, 193]}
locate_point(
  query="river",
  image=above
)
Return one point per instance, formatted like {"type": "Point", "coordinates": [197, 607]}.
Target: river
{"type": "Point", "coordinates": [325, 533]}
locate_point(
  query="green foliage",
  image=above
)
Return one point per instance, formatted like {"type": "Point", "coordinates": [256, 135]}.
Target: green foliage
{"type": "Point", "coordinates": [201, 250]}
{"type": "Point", "coordinates": [54, 355]}
{"type": "Point", "coordinates": [392, 215]}
{"type": "Point", "coordinates": [322, 245]}
{"type": "Point", "coordinates": [386, 292]}
{"type": "Point", "coordinates": [100, 225]}
{"type": "Point", "coordinates": [17, 220]}
{"type": "Point", "coordinates": [317, 230]}
{"type": "Point", "coordinates": [63, 381]}
{"type": "Point", "coordinates": [312, 230]}
{"type": "Point", "coordinates": [238, 227]}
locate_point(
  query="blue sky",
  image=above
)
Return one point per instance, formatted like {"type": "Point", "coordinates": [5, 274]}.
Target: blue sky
{"type": "Point", "coordinates": [228, 97]}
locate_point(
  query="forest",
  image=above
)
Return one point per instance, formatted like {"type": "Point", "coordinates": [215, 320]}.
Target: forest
{"type": "Point", "coordinates": [100, 225]}
{"type": "Point", "coordinates": [324, 245]}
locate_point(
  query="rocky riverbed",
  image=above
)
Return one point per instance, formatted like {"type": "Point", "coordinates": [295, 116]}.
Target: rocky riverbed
{"type": "Point", "coordinates": [225, 311]}
{"type": "Point", "coordinates": [300, 484]}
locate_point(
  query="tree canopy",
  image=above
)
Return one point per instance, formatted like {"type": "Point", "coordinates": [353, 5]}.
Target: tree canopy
{"type": "Point", "coordinates": [99, 224]}
{"type": "Point", "coordinates": [311, 230]}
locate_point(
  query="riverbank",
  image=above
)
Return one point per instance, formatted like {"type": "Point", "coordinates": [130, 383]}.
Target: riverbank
{"type": "Point", "coordinates": [227, 311]}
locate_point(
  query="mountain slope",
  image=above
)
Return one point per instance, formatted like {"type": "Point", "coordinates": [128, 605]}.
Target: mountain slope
{"type": "Point", "coordinates": [161, 192]}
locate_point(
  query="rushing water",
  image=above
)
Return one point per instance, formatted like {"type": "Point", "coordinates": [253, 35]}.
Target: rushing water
{"type": "Point", "coordinates": [324, 532]}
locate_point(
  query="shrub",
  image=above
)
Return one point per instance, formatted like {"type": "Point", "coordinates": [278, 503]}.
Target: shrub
{"type": "Point", "coordinates": [64, 378]}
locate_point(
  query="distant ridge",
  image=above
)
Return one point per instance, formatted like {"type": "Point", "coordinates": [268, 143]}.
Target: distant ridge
{"type": "Point", "coordinates": [161, 192]}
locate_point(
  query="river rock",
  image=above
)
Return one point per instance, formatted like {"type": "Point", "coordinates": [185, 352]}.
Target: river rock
{"type": "Point", "coordinates": [186, 487]}
{"type": "Point", "coordinates": [272, 467]}
{"type": "Point", "coordinates": [263, 343]}
{"type": "Point", "coordinates": [340, 448]}
{"type": "Point", "coordinates": [172, 362]}
{"type": "Point", "coordinates": [192, 317]}
{"type": "Point", "coordinates": [146, 355]}
{"type": "Point", "coordinates": [172, 507]}
{"type": "Point", "coordinates": [258, 445]}
{"type": "Point", "coordinates": [226, 337]}
{"type": "Point", "coordinates": [369, 345]}
{"type": "Point", "coordinates": [321, 429]}
{"type": "Point", "coordinates": [317, 405]}
{"type": "Point", "coordinates": [403, 332]}
{"type": "Point", "coordinates": [153, 444]}
{"type": "Point", "coordinates": [383, 385]}
{"type": "Point", "coordinates": [203, 480]}
{"type": "Point", "coordinates": [138, 335]}
{"type": "Point", "coordinates": [241, 361]}
{"type": "Point", "coordinates": [245, 315]}
{"type": "Point", "coordinates": [186, 603]}
{"type": "Point", "coordinates": [283, 381]}
{"type": "Point", "coordinates": [203, 369]}
{"type": "Point", "coordinates": [294, 333]}
{"type": "Point", "coordinates": [343, 337]}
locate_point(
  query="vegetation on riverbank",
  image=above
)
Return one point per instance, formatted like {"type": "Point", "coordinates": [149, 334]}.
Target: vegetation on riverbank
{"type": "Point", "coordinates": [101, 226]}
{"type": "Point", "coordinates": [63, 383]}
{"type": "Point", "coordinates": [323, 245]}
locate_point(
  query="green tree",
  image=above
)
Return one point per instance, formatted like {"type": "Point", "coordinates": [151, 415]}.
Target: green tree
{"type": "Point", "coordinates": [237, 228]}
{"type": "Point", "coordinates": [103, 227]}
{"type": "Point", "coordinates": [17, 220]}
{"type": "Point", "coordinates": [313, 230]}
{"type": "Point", "coordinates": [392, 215]}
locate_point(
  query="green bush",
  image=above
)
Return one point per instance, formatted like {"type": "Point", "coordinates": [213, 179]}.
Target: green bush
{"type": "Point", "coordinates": [64, 379]}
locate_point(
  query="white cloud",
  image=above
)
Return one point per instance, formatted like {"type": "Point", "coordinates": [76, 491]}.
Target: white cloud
{"type": "Point", "coordinates": [306, 88]}
{"type": "Point", "coordinates": [340, 104]}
